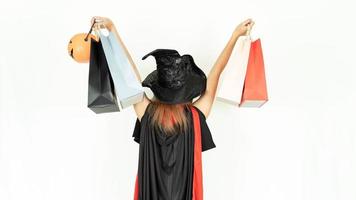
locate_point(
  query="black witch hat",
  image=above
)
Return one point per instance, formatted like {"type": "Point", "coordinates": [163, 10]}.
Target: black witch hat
{"type": "Point", "coordinates": [177, 79]}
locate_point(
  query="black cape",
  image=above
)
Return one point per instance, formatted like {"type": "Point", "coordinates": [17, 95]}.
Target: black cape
{"type": "Point", "coordinates": [165, 166]}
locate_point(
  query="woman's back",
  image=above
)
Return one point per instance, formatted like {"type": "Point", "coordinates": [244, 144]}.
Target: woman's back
{"type": "Point", "coordinates": [165, 167]}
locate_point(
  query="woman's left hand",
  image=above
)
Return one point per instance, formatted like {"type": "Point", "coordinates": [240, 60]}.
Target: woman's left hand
{"type": "Point", "coordinates": [101, 21]}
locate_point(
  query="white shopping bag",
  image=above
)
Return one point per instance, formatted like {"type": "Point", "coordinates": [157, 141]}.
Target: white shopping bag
{"type": "Point", "coordinates": [127, 86]}
{"type": "Point", "coordinates": [232, 78]}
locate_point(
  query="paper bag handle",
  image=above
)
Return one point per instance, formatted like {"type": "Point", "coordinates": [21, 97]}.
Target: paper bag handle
{"type": "Point", "coordinates": [248, 32]}
{"type": "Point", "coordinates": [91, 29]}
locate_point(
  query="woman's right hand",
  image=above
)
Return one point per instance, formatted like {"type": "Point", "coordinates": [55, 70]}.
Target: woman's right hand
{"type": "Point", "coordinates": [243, 28]}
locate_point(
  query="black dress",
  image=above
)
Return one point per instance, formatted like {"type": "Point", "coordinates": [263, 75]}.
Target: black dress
{"type": "Point", "coordinates": [165, 166]}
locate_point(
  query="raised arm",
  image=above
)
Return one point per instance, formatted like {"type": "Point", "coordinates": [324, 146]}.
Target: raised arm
{"type": "Point", "coordinates": [205, 102]}
{"type": "Point", "coordinates": [139, 107]}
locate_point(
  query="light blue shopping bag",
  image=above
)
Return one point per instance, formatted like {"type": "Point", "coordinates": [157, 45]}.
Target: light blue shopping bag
{"type": "Point", "coordinates": [127, 86]}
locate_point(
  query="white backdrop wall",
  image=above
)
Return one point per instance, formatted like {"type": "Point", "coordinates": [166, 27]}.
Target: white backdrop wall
{"type": "Point", "coordinates": [298, 146]}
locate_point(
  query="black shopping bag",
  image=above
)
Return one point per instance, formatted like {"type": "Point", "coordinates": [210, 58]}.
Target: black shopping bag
{"type": "Point", "coordinates": [101, 91]}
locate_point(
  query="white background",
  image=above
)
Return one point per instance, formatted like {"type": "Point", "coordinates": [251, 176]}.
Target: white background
{"type": "Point", "coordinates": [300, 145]}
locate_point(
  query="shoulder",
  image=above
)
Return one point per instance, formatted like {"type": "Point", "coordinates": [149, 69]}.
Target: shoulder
{"type": "Point", "coordinates": [206, 136]}
{"type": "Point", "coordinates": [201, 114]}
{"type": "Point", "coordinates": [141, 107]}
{"type": "Point", "coordinates": [139, 125]}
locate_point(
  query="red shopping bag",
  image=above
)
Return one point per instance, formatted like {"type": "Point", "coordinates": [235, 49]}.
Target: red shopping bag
{"type": "Point", "coordinates": [254, 93]}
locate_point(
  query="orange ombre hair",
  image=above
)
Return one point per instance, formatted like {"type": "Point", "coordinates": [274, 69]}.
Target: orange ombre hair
{"type": "Point", "coordinates": [169, 118]}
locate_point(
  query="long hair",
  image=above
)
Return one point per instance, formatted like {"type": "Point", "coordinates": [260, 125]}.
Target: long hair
{"type": "Point", "coordinates": [169, 118]}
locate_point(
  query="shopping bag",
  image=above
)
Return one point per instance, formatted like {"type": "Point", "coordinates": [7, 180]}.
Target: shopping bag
{"type": "Point", "coordinates": [255, 88]}
{"type": "Point", "coordinates": [232, 78]}
{"type": "Point", "coordinates": [101, 92]}
{"type": "Point", "coordinates": [128, 88]}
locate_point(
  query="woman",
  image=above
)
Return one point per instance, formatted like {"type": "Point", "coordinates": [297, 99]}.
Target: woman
{"type": "Point", "coordinates": [167, 167]}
